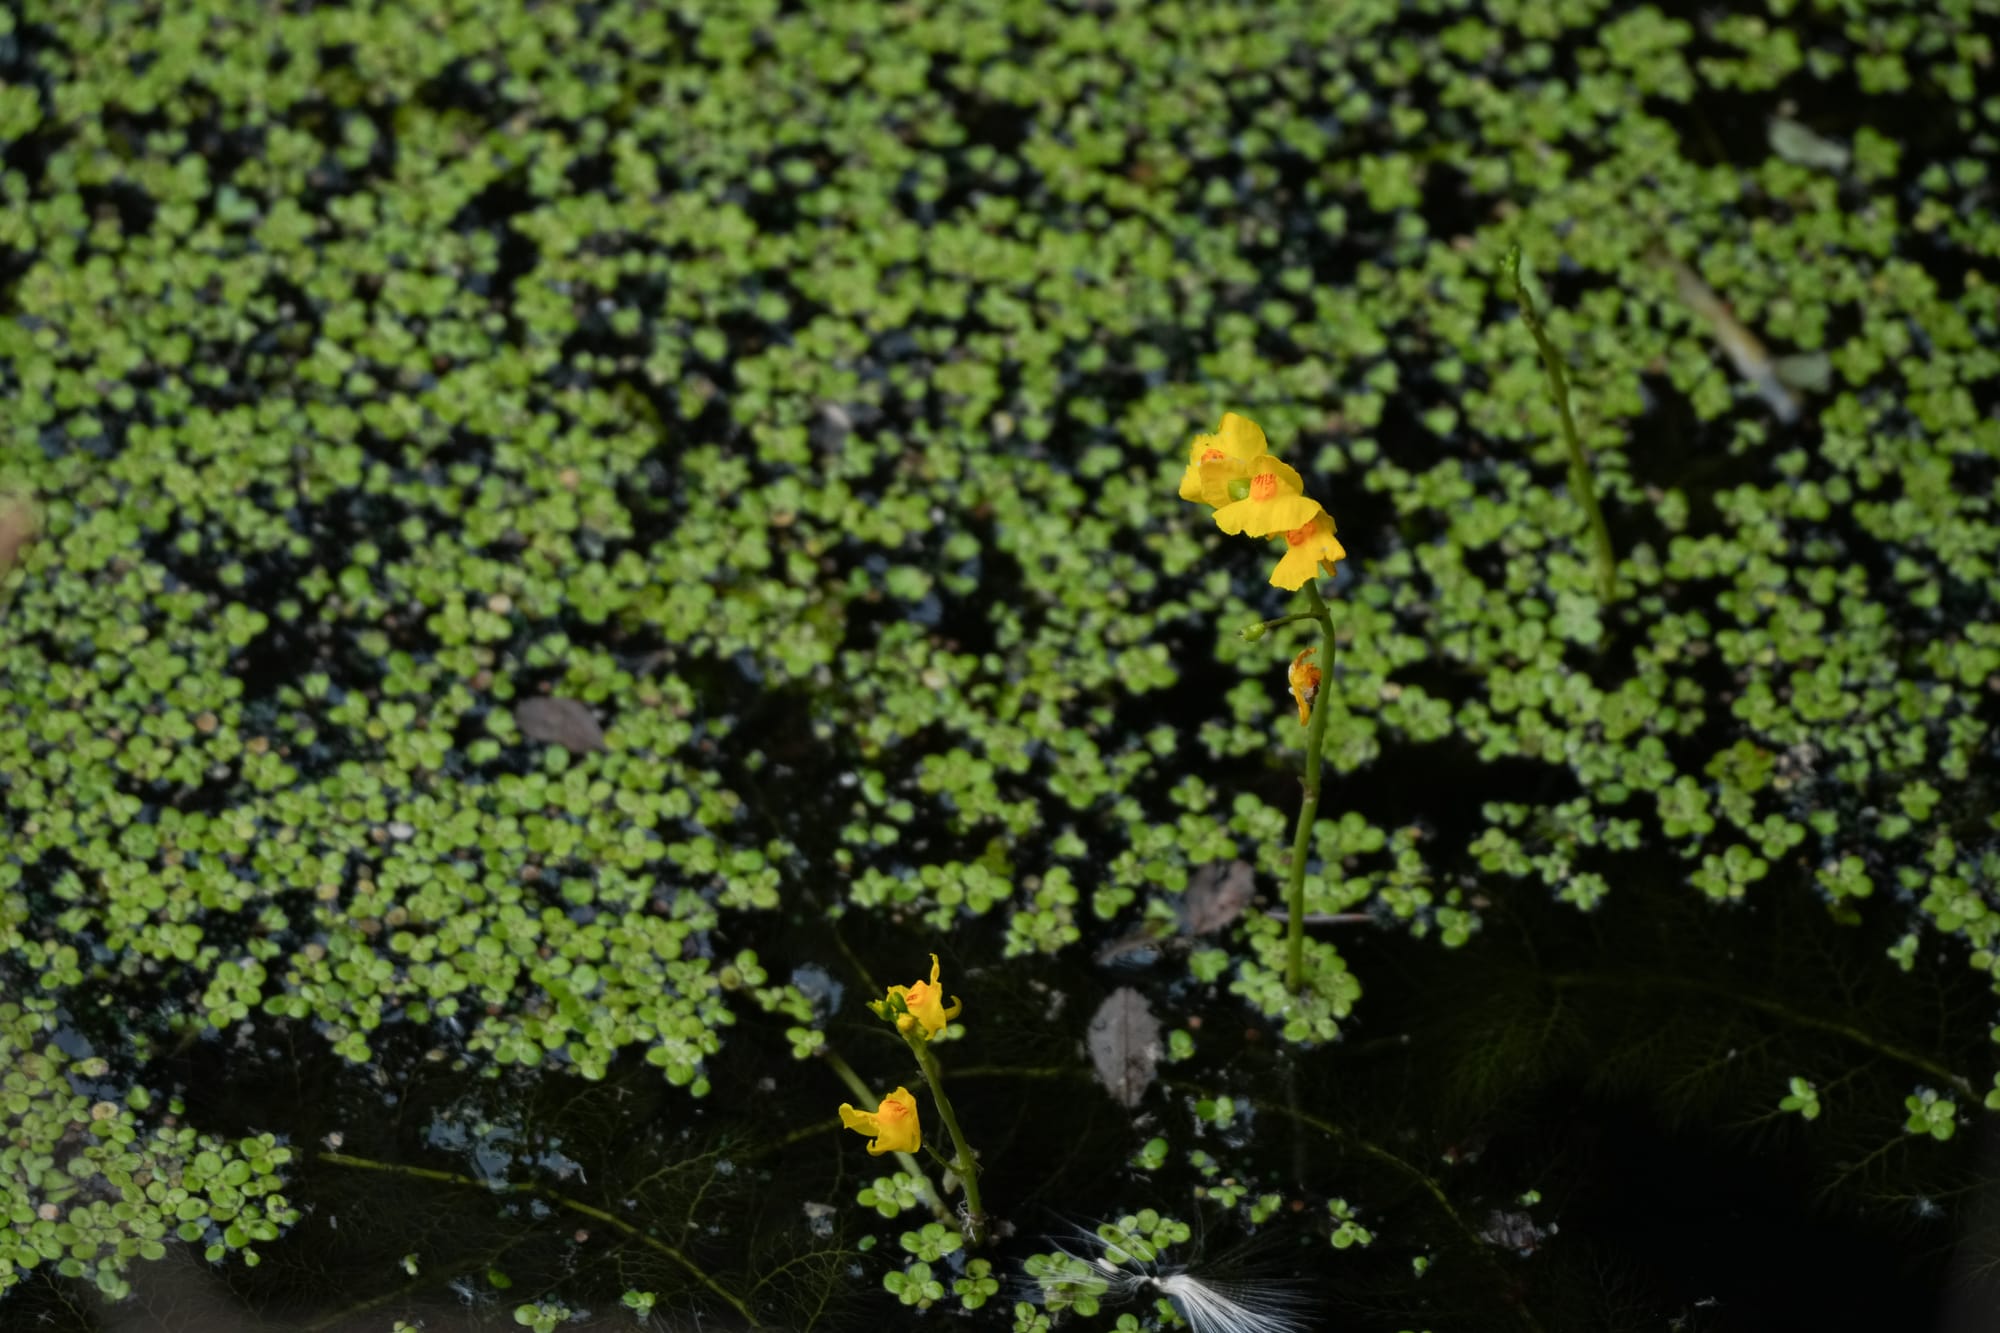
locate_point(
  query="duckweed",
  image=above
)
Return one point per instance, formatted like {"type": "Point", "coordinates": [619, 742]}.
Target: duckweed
{"type": "Point", "coordinates": [798, 392]}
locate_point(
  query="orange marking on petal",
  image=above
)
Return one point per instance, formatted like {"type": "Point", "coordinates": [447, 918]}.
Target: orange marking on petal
{"type": "Point", "coordinates": [1263, 486]}
{"type": "Point", "coordinates": [1304, 679]}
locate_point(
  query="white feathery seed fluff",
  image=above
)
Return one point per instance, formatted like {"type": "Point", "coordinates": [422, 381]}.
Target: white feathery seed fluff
{"type": "Point", "coordinates": [1208, 1305]}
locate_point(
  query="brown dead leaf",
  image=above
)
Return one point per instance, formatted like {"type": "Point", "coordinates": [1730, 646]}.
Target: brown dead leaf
{"type": "Point", "coordinates": [19, 525]}
{"type": "Point", "coordinates": [1137, 947]}
{"type": "Point", "coordinates": [1216, 895]}
{"type": "Point", "coordinates": [1741, 346]}
{"type": "Point", "coordinates": [1125, 1045]}
{"type": "Point", "coordinates": [556, 721]}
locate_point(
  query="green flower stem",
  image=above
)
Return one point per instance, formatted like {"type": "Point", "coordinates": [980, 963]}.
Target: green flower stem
{"type": "Point", "coordinates": [645, 1238]}
{"type": "Point", "coordinates": [1580, 479]}
{"type": "Point", "coordinates": [1295, 898]}
{"type": "Point", "coordinates": [908, 1161]}
{"type": "Point", "coordinates": [967, 1165]}
{"type": "Point", "coordinates": [1258, 629]}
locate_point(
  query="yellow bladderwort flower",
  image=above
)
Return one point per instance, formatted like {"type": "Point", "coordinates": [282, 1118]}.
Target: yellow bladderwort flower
{"type": "Point", "coordinates": [925, 1002]}
{"type": "Point", "coordinates": [1269, 498]}
{"type": "Point", "coordinates": [1258, 496]}
{"type": "Point", "coordinates": [920, 1014]}
{"type": "Point", "coordinates": [1307, 548]}
{"type": "Point", "coordinates": [1304, 680]}
{"type": "Point", "coordinates": [1235, 442]}
{"type": "Point", "coordinates": [893, 1124]}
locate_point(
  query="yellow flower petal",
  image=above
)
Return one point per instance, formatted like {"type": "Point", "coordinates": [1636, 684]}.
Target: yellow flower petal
{"type": "Point", "coordinates": [1261, 518]}
{"type": "Point", "coordinates": [1191, 482]}
{"type": "Point", "coordinates": [893, 1124]}
{"type": "Point", "coordinates": [1307, 547]}
{"type": "Point", "coordinates": [925, 999]}
{"type": "Point", "coordinates": [1294, 568]}
{"type": "Point", "coordinates": [1237, 439]}
{"type": "Point", "coordinates": [1204, 449]}
{"type": "Point", "coordinates": [1213, 478]}
{"type": "Point", "coordinates": [1240, 437]}
{"type": "Point", "coordinates": [1273, 501]}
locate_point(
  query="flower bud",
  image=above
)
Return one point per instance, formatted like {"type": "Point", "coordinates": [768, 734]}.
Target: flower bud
{"type": "Point", "coordinates": [1253, 632]}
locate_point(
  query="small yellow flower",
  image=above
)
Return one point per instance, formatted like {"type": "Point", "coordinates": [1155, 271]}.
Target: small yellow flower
{"type": "Point", "coordinates": [893, 1124]}
{"type": "Point", "coordinates": [1235, 442]}
{"type": "Point", "coordinates": [1271, 500]}
{"type": "Point", "coordinates": [1306, 547]}
{"type": "Point", "coordinates": [1304, 678]}
{"type": "Point", "coordinates": [925, 999]}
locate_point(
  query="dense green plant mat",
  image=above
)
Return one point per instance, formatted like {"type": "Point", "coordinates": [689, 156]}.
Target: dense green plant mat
{"type": "Point", "coordinates": [802, 394]}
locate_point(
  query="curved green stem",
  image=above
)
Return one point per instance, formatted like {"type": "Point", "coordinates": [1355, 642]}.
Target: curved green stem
{"type": "Point", "coordinates": [1777, 1009]}
{"type": "Point", "coordinates": [1580, 479]}
{"type": "Point", "coordinates": [650, 1241]}
{"type": "Point", "coordinates": [967, 1165]}
{"type": "Point", "coordinates": [908, 1161]}
{"type": "Point", "coordinates": [1256, 629]}
{"type": "Point", "coordinates": [1295, 898]}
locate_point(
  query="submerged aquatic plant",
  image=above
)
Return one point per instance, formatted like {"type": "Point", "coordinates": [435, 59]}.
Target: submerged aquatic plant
{"type": "Point", "coordinates": [766, 384]}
